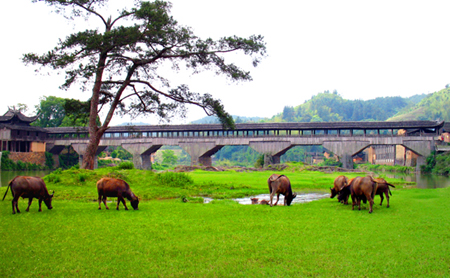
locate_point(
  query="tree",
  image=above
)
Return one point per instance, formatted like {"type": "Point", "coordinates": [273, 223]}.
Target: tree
{"type": "Point", "coordinates": [169, 157]}
{"type": "Point", "coordinates": [121, 63]}
{"type": "Point", "coordinates": [51, 111]}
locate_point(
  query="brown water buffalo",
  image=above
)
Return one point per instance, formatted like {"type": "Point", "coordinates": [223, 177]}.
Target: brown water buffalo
{"type": "Point", "coordinates": [343, 193]}
{"type": "Point", "coordinates": [28, 187]}
{"type": "Point", "coordinates": [339, 183]}
{"type": "Point", "coordinates": [110, 187]}
{"type": "Point", "coordinates": [383, 188]}
{"type": "Point", "coordinates": [361, 189]}
{"type": "Point", "coordinates": [280, 184]}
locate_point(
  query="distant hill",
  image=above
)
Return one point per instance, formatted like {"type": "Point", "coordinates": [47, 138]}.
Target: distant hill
{"type": "Point", "coordinates": [433, 107]}
{"type": "Point", "coordinates": [237, 119]}
{"type": "Point", "coordinates": [331, 107]}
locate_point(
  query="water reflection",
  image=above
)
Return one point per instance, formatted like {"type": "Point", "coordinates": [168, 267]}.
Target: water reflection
{"type": "Point", "coordinates": [422, 181]}
{"type": "Point", "coordinates": [6, 176]}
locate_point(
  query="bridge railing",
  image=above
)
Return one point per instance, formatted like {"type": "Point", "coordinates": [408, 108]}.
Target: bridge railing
{"type": "Point", "coordinates": [247, 133]}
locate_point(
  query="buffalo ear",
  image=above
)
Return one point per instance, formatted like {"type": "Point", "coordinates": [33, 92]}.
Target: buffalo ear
{"type": "Point", "coordinates": [53, 193]}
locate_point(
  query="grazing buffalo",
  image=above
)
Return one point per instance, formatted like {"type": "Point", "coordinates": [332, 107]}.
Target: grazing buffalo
{"type": "Point", "coordinates": [110, 187]}
{"type": "Point", "coordinates": [344, 193]}
{"type": "Point", "coordinates": [383, 188]}
{"type": "Point", "coordinates": [28, 187]}
{"type": "Point", "coordinates": [280, 184]}
{"type": "Point", "coordinates": [361, 189]}
{"type": "Point", "coordinates": [339, 183]}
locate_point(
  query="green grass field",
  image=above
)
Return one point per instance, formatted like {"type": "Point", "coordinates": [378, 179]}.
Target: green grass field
{"type": "Point", "coordinates": [169, 238]}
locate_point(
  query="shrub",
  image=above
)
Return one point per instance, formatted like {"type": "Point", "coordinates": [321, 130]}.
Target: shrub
{"type": "Point", "coordinates": [49, 162]}
{"type": "Point", "coordinates": [174, 179]}
{"type": "Point", "coordinates": [126, 165]}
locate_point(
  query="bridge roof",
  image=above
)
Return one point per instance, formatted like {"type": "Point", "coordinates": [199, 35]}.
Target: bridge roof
{"type": "Point", "coordinates": [262, 126]}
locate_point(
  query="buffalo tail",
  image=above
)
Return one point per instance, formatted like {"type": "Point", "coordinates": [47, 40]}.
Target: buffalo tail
{"type": "Point", "coordinates": [7, 191]}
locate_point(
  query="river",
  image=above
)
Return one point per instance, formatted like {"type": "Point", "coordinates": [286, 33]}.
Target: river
{"type": "Point", "coordinates": [6, 176]}
{"type": "Point", "coordinates": [422, 181]}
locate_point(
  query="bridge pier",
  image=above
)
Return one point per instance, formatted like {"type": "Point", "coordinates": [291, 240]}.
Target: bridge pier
{"type": "Point", "coordinates": [55, 150]}
{"type": "Point", "coordinates": [141, 154]}
{"type": "Point", "coordinates": [81, 149]}
{"type": "Point", "coordinates": [200, 152]}
{"type": "Point", "coordinates": [272, 150]}
{"type": "Point", "coordinates": [346, 150]}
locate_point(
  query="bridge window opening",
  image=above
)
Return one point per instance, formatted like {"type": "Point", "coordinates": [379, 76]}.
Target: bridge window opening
{"type": "Point", "coordinates": [358, 132]}
{"type": "Point", "coordinates": [345, 132]}
{"type": "Point", "coordinates": [332, 132]}
{"type": "Point", "coordinates": [385, 132]}
{"type": "Point", "coordinates": [107, 135]}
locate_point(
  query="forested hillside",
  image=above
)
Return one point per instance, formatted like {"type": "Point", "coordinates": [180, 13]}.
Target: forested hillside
{"type": "Point", "coordinates": [434, 107]}
{"type": "Point", "coordinates": [331, 107]}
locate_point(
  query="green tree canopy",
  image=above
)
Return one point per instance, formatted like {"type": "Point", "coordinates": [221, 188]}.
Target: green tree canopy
{"type": "Point", "coordinates": [121, 64]}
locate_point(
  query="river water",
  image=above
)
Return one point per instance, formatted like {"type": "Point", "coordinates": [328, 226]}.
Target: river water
{"type": "Point", "coordinates": [6, 176]}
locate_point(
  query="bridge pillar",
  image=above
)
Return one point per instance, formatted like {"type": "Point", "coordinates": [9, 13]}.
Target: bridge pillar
{"type": "Point", "coordinates": [141, 153]}
{"type": "Point", "coordinates": [422, 148]}
{"type": "Point", "coordinates": [346, 150]}
{"type": "Point", "coordinates": [81, 149]}
{"type": "Point", "coordinates": [55, 150]}
{"type": "Point", "coordinates": [200, 152]}
{"type": "Point", "coordinates": [272, 150]}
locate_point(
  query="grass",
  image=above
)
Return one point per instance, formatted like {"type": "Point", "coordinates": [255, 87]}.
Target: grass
{"type": "Point", "coordinates": [169, 238]}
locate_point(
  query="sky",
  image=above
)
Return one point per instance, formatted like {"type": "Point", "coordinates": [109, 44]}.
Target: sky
{"type": "Point", "coordinates": [361, 49]}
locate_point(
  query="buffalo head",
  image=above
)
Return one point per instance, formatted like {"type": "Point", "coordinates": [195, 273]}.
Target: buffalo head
{"type": "Point", "coordinates": [134, 203]}
{"type": "Point", "coordinates": [289, 198]}
{"type": "Point", "coordinates": [48, 200]}
{"type": "Point", "coordinates": [333, 192]}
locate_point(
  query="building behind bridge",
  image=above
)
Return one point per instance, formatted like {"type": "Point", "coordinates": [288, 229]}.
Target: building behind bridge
{"type": "Point", "coordinates": [25, 143]}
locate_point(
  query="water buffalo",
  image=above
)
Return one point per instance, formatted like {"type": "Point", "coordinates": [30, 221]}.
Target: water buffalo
{"type": "Point", "coordinates": [339, 183]}
{"type": "Point", "coordinates": [383, 188]}
{"type": "Point", "coordinates": [110, 187]}
{"type": "Point", "coordinates": [344, 193]}
{"type": "Point", "coordinates": [361, 188]}
{"type": "Point", "coordinates": [28, 187]}
{"type": "Point", "coordinates": [280, 184]}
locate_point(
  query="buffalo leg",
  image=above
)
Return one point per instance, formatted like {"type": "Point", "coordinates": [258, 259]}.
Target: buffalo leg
{"type": "Point", "coordinates": [271, 198]}
{"type": "Point", "coordinates": [370, 204]}
{"type": "Point", "coordinates": [99, 202]}
{"type": "Point", "coordinates": [278, 198]}
{"type": "Point", "coordinates": [121, 199]}
{"type": "Point", "coordinates": [104, 202]}
{"type": "Point", "coordinates": [29, 204]}
{"type": "Point", "coordinates": [353, 202]}
{"type": "Point", "coordinates": [382, 198]}
{"type": "Point", "coordinates": [387, 199]}
{"type": "Point", "coordinates": [15, 206]}
{"type": "Point", "coordinates": [40, 203]}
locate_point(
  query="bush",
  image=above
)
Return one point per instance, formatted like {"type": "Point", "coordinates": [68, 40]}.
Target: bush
{"type": "Point", "coordinates": [174, 179]}
{"type": "Point", "coordinates": [126, 165]}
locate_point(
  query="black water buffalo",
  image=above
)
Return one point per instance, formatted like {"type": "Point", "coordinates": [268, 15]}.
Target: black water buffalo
{"type": "Point", "coordinates": [339, 183]}
{"type": "Point", "coordinates": [383, 188]}
{"type": "Point", "coordinates": [28, 187]}
{"type": "Point", "coordinates": [110, 187]}
{"type": "Point", "coordinates": [361, 188]}
{"type": "Point", "coordinates": [280, 184]}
